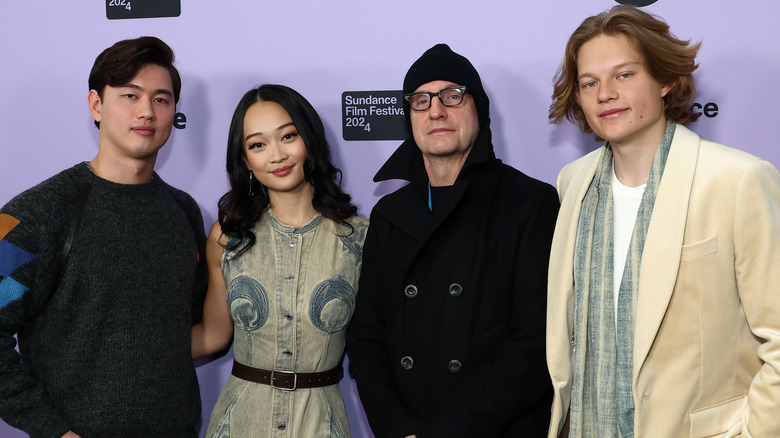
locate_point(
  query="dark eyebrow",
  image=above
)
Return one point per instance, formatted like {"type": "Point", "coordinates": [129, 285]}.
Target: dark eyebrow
{"type": "Point", "coordinates": [139, 88]}
{"type": "Point", "coordinates": [278, 128]}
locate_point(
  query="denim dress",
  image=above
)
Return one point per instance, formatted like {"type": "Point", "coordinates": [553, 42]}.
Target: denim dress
{"type": "Point", "coordinates": [291, 296]}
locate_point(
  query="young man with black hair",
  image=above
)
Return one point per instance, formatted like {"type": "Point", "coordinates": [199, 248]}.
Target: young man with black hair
{"type": "Point", "coordinates": [102, 274]}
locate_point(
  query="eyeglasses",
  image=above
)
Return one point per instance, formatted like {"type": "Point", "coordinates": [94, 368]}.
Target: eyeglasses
{"type": "Point", "coordinates": [449, 96]}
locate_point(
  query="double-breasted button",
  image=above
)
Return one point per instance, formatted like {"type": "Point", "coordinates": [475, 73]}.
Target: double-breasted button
{"type": "Point", "coordinates": [407, 362]}
{"type": "Point", "coordinates": [456, 289]}
{"type": "Point", "coordinates": [281, 426]}
{"type": "Point", "coordinates": [454, 366]}
{"type": "Point", "coordinates": [410, 291]}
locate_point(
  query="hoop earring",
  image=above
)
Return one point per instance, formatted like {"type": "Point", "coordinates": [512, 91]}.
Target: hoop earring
{"type": "Point", "coordinates": [250, 184]}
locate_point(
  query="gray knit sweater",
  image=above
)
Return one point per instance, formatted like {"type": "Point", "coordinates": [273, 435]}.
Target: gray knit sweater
{"type": "Point", "coordinates": [106, 353]}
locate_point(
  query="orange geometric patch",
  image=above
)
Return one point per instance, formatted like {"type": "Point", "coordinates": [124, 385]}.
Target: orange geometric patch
{"type": "Point", "coordinates": [7, 223]}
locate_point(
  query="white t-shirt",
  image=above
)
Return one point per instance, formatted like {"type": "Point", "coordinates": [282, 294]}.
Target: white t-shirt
{"type": "Point", "coordinates": [625, 201]}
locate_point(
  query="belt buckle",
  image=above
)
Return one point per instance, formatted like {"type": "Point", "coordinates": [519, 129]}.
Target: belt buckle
{"type": "Point", "coordinates": [295, 380]}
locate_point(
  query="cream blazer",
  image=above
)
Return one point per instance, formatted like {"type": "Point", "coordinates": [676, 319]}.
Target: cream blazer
{"type": "Point", "coordinates": [707, 336]}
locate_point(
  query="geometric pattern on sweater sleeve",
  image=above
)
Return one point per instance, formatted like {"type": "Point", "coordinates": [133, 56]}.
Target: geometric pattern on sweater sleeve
{"type": "Point", "coordinates": [11, 258]}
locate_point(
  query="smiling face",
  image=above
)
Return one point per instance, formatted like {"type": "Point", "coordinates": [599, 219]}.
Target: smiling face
{"type": "Point", "coordinates": [135, 118]}
{"type": "Point", "coordinates": [442, 131]}
{"type": "Point", "coordinates": [274, 150]}
{"type": "Point", "coordinates": [622, 103]}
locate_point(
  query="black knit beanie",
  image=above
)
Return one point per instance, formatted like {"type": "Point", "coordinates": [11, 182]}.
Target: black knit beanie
{"type": "Point", "coordinates": [440, 63]}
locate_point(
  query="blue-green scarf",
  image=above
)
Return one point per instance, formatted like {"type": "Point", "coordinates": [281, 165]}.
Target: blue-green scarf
{"type": "Point", "coordinates": [602, 403]}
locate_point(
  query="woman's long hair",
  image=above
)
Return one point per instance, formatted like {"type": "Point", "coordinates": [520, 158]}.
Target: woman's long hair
{"type": "Point", "coordinates": [238, 211]}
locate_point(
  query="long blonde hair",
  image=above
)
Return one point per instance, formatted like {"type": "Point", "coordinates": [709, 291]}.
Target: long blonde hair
{"type": "Point", "coordinates": [668, 60]}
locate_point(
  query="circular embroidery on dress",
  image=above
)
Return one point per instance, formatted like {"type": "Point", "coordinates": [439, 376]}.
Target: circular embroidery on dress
{"type": "Point", "coordinates": [248, 302]}
{"type": "Point", "coordinates": [332, 304]}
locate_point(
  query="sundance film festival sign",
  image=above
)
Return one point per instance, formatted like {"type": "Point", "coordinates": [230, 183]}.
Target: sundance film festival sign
{"type": "Point", "coordinates": [123, 9]}
{"type": "Point", "coordinates": [373, 115]}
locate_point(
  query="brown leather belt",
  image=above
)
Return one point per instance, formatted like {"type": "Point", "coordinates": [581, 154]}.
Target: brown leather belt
{"type": "Point", "coordinates": [288, 380]}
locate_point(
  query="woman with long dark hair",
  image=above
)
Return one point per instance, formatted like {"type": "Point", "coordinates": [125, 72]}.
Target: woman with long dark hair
{"type": "Point", "coordinates": [284, 260]}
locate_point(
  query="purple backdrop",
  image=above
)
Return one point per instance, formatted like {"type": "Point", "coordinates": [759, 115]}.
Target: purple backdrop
{"type": "Point", "coordinates": [325, 48]}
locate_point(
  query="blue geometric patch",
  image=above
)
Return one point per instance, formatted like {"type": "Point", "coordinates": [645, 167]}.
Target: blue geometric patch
{"type": "Point", "coordinates": [10, 291]}
{"type": "Point", "coordinates": [12, 257]}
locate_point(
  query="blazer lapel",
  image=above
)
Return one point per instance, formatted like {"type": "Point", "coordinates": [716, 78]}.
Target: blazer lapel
{"type": "Point", "coordinates": [661, 256]}
{"type": "Point", "coordinates": [572, 188]}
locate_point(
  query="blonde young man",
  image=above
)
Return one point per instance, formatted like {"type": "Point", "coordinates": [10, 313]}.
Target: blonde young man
{"type": "Point", "coordinates": [662, 308]}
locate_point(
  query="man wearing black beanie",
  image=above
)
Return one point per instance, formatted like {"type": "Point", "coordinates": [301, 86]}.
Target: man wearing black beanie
{"type": "Point", "coordinates": [448, 335]}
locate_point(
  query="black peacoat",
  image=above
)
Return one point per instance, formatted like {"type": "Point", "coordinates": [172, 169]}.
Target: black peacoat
{"type": "Point", "coordinates": [448, 334]}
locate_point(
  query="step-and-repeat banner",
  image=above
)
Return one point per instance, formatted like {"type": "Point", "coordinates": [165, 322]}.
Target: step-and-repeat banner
{"type": "Point", "coordinates": [349, 57]}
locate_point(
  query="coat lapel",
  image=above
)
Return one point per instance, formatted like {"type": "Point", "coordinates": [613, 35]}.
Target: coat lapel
{"type": "Point", "coordinates": [663, 247]}
{"type": "Point", "coordinates": [407, 210]}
